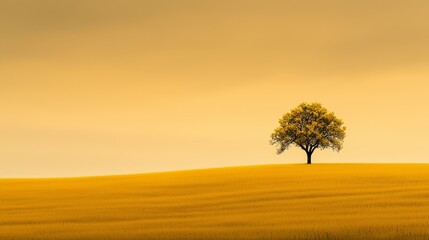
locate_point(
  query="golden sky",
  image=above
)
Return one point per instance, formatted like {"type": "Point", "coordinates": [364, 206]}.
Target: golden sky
{"type": "Point", "coordinates": [94, 87]}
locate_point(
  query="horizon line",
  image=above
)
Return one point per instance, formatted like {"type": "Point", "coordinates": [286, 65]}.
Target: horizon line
{"type": "Point", "coordinates": [209, 168]}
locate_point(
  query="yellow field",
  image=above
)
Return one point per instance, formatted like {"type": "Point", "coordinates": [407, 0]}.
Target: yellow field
{"type": "Point", "coordinates": [322, 201]}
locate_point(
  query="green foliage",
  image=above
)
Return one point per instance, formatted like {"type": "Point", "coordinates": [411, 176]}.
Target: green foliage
{"type": "Point", "coordinates": [309, 126]}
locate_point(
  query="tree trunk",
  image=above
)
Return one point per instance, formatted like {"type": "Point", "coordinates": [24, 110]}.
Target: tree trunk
{"type": "Point", "coordinates": [308, 157]}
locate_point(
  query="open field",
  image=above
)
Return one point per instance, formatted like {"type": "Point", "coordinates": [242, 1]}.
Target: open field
{"type": "Point", "coordinates": [325, 201]}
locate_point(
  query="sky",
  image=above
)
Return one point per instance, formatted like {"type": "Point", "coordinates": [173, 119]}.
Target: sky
{"type": "Point", "coordinates": [98, 87]}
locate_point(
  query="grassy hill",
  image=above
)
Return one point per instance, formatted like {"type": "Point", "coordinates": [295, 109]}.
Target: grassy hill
{"type": "Point", "coordinates": [322, 201]}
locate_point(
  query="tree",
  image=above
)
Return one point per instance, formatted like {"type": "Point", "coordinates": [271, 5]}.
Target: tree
{"type": "Point", "coordinates": [309, 126]}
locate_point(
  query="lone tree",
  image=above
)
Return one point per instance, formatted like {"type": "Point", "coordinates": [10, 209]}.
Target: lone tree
{"type": "Point", "coordinates": [309, 126]}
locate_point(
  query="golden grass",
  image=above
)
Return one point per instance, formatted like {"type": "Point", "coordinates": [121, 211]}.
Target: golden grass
{"type": "Point", "coordinates": [325, 201]}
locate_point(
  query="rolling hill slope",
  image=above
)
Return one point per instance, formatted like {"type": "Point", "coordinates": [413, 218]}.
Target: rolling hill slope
{"type": "Point", "coordinates": [325, 201]}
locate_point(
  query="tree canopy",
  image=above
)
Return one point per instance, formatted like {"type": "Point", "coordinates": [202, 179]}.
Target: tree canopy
{"type": "Point", "coordinates": [310, 127]}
